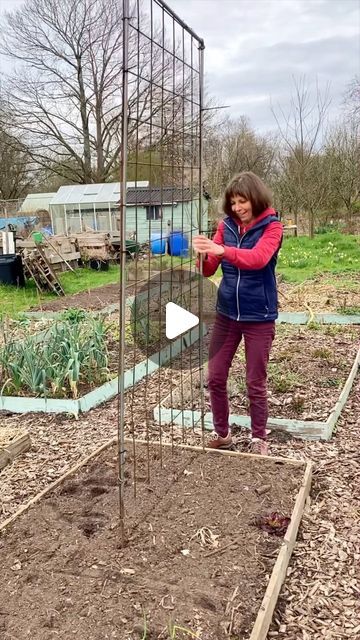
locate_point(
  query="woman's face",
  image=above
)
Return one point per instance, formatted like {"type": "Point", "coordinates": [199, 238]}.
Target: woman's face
{"type": "Point", "coordinates": [242, 209]}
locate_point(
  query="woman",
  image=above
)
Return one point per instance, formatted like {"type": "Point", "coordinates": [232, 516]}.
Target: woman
{"type": "Point", "coordinates": [246, 245]}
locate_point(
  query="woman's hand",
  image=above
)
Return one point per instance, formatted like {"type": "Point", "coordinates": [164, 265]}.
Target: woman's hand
{"type": "Point", "coordinates": [202, 244]}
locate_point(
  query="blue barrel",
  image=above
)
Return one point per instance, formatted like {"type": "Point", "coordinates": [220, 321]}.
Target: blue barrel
{"type": "Point", "coordinates": [158, 244]}
{"type": "Point", "coordinates": [178, 244]}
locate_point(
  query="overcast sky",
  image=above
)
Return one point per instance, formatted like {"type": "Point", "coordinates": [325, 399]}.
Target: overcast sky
{"type": "Point", "coordinates": [255, 47]}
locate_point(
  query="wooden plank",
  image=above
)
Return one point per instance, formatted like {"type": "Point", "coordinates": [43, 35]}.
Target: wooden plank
{"type": "Point", "coordinates": [66, 256]}
{"type": "Point", "coordinates": [336, 410]}
{"type": "Point", "coordinates": [264, 617]}
{"type": "Point", "coordinates": [105, 392]}
{"type": "Point", "coordinates": [16, 404]}
{"type": "Point", "coordinates": [192, 447]}
{"type": "Point", "coordinates": [336, 318]}
{"type": "Point", "coordinates": [188, 418]}
{"type": "Point", "coordinates": [14, 447]}
{"type": "Point", "coordinates": [25, 244]}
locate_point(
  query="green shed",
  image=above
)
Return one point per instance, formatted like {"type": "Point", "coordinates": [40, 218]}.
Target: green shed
{"type": "Point", "coordinates": [150, 210]}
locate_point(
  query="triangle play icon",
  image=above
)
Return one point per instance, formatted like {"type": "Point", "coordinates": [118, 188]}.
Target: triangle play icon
{"type": "Point", "coordinates": [178, 320]}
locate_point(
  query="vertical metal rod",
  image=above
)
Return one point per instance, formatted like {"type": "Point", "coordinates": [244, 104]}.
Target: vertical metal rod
{"type": "Point", "coordinates": [80, 219]}
{"type": "Point", "coordinates": [110, 216]}
{"type": "Point", "coordinates": [173, 179]}
{"type": "Point", "coordinates": [182, 209]}
{"type": "Point", "coordinates": [124, 144]}
{"type": "Point", "coordinates": [137, 237]}
{"type": "Point", "coordinates": [161, 149]}
{"type": "Point", "coordinates": [192, 153]}
{"type": "Point", "coordinates": [152, 210]}
{"type": "Point", "coordinates": [201, 338]}
{"type": "Point", "coordinates": [52, 220]}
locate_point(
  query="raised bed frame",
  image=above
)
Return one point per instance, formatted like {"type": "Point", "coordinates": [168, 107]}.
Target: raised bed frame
{"type": "Point", "coordinates": [18, 404]}
{"type": "Point", "coordinates": [267, 607]}
{"type": "Point", "coordinates": [309, 430]}
{"type": "Point", "coordinates": [304, 429]}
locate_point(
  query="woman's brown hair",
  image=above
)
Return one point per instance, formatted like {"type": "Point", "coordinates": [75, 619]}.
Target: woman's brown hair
{"type": "Point", "coordinates": [249, 186]}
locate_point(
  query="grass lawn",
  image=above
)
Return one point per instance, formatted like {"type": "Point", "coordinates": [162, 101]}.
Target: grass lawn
{"type": "Point", "coordinates": [300, 259]}
{"type": "Point", "coordinates": [15, 301]}
{"type": "Point", "coordinates": [304, 258]}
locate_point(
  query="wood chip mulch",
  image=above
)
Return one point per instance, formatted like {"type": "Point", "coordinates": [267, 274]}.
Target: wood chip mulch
{"type": "Point", "coordinates": [321, 596]}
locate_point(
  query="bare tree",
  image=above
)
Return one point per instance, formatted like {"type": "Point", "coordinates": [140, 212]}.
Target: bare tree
{"type": "Point", "coordinates": [301, 132]}
{"type": "Point", "coordinates": [66, 92]}
{"type": "Point", "coordinates": [343, 153]}
{"type": "Point", "coordinates": [16, 174]}
{"type": "Point", "coordinates": [232, 147]}
{"type": "Point", "coordinates": [352, 99]}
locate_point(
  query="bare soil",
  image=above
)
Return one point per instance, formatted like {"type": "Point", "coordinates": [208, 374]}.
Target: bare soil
{"type": "Point", "coordinates": [94, 299]}
{"type": "Point", "coordinates": [325, 293]}
{"type": "Point", "coordinates": [64, 573]}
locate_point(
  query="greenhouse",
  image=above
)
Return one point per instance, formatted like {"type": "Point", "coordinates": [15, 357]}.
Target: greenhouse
{"type": "Point", "coordinates": [149, 210]}
{"type": "Point", "coordinates": [76, 208]}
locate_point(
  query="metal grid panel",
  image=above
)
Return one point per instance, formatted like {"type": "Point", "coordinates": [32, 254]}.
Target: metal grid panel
{"type": "Point", "coordinates": [162, 95]}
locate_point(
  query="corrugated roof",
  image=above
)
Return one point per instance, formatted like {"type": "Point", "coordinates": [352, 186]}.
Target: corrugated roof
{"type": "Point", "coordinates": [156, 195]}
{"type": "Point", "coordinates": [138, 193]}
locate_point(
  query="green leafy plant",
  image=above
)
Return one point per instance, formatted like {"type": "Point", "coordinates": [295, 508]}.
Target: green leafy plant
{"type": "Point", "coordinates": [69, 354]}
{"type": "Point", "coordinates": [349, 311]}
{"type": "Point", "coordinates": [283, 380]}
{"type": "Point", "coordinates": [322, 353]}
{"type": "Point", "coordinates": [74, 315]}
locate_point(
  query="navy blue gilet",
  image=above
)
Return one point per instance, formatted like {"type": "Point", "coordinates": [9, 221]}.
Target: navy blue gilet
{"type": "Point", "coordinates": [247, 295]}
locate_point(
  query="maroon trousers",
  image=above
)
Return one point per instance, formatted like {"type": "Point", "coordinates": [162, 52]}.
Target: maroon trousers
{"type": "Point", "coordinates": [225, 339]}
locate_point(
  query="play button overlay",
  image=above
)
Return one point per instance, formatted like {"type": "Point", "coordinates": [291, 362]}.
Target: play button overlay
{"type": "Point", "coordinates": [178, 321]}
{"type": "Point", "coordinates": [162, 312]}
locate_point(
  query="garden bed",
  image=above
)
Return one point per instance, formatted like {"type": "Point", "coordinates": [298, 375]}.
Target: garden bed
{"type": "Point", "coordinates": [19, 327]}
{"type": "Point", "coordinates": [326, 293]}
{"type": "Point", "coordinates": [196, 556]}
{"type": "Point", "coordinates": [308, 368]}
{"type": "Point", "coordinates": [92, 300]}
{"type": "Point", "coordinates": [74, 356]}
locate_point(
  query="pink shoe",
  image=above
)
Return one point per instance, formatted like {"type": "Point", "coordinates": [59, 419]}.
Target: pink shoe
{"type": "Point", "coordinates": [218, 442]}
{"type": "Point", "coordinates": [259, 447]}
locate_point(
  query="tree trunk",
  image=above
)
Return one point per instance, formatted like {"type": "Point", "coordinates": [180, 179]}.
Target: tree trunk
{"type": "Point", "coordinates": [311, 224]}
{"type": "Point", "coordinates": [85, 126]}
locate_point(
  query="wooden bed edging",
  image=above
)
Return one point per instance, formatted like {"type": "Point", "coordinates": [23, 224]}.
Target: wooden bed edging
{"type": "Point", "coordinates": [265, 614]}
{"type": "Point", "coordinates": [193, 447]}
{"type": "Point", "coordinates": [264, 617]}
{"type": "Point", "coordinates": [16, 447]}
{"type": "Point", "coordinates": [305, 429]}
{"type": "Point", "coordinates": [106, 391]}
{"type": "Point", "coordinates": [339, 405]}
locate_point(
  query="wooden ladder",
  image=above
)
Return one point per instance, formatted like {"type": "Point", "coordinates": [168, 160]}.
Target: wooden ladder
{"type": "Point", "coordinates": [40, 270]}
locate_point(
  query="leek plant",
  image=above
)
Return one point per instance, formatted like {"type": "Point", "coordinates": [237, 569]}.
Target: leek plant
{"type": "Point", "coordinates": [71, 353]}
